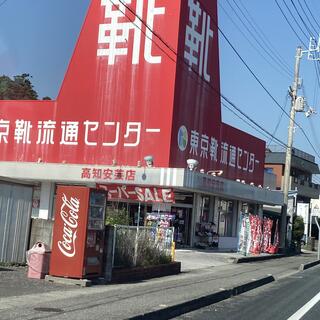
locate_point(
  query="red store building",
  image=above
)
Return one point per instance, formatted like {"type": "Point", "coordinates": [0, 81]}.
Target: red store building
{"type": "Point", "coordinates": [143, 81]}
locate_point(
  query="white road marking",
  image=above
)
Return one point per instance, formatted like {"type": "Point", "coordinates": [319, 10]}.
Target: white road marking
{"type": "Point", "coordinates": [302, 311]}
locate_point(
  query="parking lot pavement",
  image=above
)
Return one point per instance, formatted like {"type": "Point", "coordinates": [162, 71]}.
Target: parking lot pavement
{"type": "Point", "coordinates": [14, 282]}
{"type": "Point", "coordinates": [192, 259]}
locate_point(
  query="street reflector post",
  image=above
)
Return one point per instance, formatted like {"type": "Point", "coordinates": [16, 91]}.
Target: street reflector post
{"type": "Point", "coordinates": [317, 222]}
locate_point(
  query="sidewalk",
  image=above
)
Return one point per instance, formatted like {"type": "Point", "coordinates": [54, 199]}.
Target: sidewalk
{"type": "Point", "coordinates": [205, 276]}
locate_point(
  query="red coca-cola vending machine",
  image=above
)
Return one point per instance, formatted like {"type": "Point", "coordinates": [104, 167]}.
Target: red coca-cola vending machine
{"type": "Point", "coordinates": [78, 232]}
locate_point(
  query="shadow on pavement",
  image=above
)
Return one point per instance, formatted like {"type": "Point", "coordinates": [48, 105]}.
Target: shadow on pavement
{"type": "Point", "coordinates": [5, 269]}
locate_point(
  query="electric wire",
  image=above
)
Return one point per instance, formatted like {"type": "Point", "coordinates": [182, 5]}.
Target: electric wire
{"type": "Point", "coordinates": [263, 44]}
{"type": "Point", "coordinates": [3, 2]}
{"type": "Point", "coordinates": [316, 68]}
{"type": "Point", "coordinates": [295, 20]}
{"type": "Point", "coordinates": [306, 15]}
{"type": "Point", "coordinates": [266, 90]}
{"type": "Point", "coordinates": [263, 35]}
{"type": "Point", "coordinates": [279, 121]}
{"type": "Point", "coordinates": [233, 48]}
{"type": "Point", "coordinates": [314, 133]}
{"type": "Point", "coordinates": [251, 120]}
{"type": "Point", "coordinates": [290, 25]}
{"type": "Point", "coordinates": [316, 64]}
{"type": "Point", "coordinates": [251, 44]}
{"type": "Point", "coordinates": [308, 8]}
{"type": "Point", "coordinates": [302, 20]}
{"type": "Point", "coordinates": [193, 71]}
{"type": "Point", "coordinates": [267, 136]}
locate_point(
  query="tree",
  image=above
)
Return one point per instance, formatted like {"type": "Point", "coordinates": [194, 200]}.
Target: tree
{"type": "Point", "coordinates": [298, 228]}
{"type": "Point", "coordinates": [18, 88]}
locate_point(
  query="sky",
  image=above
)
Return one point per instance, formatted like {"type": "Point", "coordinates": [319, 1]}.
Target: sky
{"type": "Point", "coordinates": [38, 37]}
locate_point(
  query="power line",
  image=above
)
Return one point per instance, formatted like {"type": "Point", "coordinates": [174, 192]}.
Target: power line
{"type": "Point", "coordinates": [252, 45]}
{"type": "Point", "coordinates": [311, 13]}
{"type": "Point", "coordinates": [233, 48]}
{"type": "Point", "coordinates": [264, 44]}
{"type": "Point", "coordinates": [306, 15]}
{"type": "Point", "coordinates": [302, 130]}
{"type": "Point", "coordinates": [251, 120]}
{"type": "Point", "coordinates": [3, 2]}
{"type": "Point", "coordinates": [264, 36]}
{"type": "Point", "coordinates": [247, 122]}
{"type": "Point", "coordinates": [302, 20]}
{"type": "Point", "coordinates": [316, 63]}
{"type": "Point", "coordinates": [244, 120]}
{"type": "Point", "coordinates": [290, 25]}
{"type": "Point", "coordinates": [295, 20]}
{"type": "Point", "coordinates": [279, 121]}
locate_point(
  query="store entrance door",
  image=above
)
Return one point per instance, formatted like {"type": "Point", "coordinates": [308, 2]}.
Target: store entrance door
{"type": "Point", "coordinates": [182, 223]}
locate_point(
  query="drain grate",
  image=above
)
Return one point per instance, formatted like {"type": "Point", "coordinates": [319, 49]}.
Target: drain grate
{"type": "Point", "coordinates": [57, 310]}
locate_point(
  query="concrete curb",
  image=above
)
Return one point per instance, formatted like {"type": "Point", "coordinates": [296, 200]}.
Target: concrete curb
{"type": "Point", "coordinates": [69, 281]}
{"type": "Point", "coordinates": [256, 258]}
{"type": "Point", "coordinates": [191, 305]}
{"type": "Point", "coordinates": [309, 265]}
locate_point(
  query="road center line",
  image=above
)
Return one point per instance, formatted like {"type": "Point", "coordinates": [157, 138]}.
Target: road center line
{"type": "Point", "coordinates": [303, 310]}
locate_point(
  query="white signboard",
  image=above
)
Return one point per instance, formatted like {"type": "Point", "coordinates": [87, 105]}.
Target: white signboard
{"type": "Point", "coordinates": [315, 207]}
{"type": "Point", "coordinates": [303, 211]}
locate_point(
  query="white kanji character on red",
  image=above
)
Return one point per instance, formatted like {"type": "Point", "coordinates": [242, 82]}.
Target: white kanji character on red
{"type": "Point", "coordinates": [22, 131]}
{"type": "Point", "coordinates": [197, 43]}
{"type": "Point", "coordinates": [46, 132]}
{"type": "Point", "coordinates": [4, 130]}
{"type": "Point", "coordinates": [252, 162]}
{"type": "Point", "coordinates": [224, 153]}
{"type": "Point", "coordinates": [232, 156]}
{"type": "Point", "coordinates": [214, 149]}
{"type": "Point", "coordinates": [194, 142]}
{"type": "Point", "coordinates": [246, 154]}
{"type": "Point", "coordinates": [69, 135]}
{"type": "Point", "coordinates": [117, 132]}
{"type": "Point", "coordinates": [239, 155]}
{"type": "Point", "coordinates": [90, 126]}
{"type": "Point", "coordinates": [133, 127]}
{"type": "Point", "coordinates": [116, 33]}
{"type": "Point", "coordinates": [204, 146]}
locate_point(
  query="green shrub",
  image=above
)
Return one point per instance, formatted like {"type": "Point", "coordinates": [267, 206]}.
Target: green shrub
{"type": "Point", "coordinates": [149, 252]}
{"type": "Point", "coordinates": [297, 229]}
{"type": "Point", "coordinates": [117, 217]}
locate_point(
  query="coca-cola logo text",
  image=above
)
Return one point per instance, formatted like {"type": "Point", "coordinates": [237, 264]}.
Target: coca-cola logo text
{"type": "Point", "coordinates": [69, 215]}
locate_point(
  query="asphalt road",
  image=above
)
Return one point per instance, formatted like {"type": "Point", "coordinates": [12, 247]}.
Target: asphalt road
{"type": "Point", "coordinates": [26, 299]}
{"type": "Point", "coordinates": [278, 301]}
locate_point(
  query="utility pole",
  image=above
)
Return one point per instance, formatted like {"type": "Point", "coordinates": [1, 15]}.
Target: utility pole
{"type": "Point", "coordinates": [286, 178]}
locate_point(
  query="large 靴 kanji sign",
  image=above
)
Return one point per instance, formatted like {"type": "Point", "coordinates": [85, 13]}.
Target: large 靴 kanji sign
{"type": "Point", "coordinates": [143, 79]}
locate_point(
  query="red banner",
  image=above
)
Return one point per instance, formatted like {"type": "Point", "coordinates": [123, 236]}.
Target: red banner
{"type": "Point", "coordinates": [141, 194]}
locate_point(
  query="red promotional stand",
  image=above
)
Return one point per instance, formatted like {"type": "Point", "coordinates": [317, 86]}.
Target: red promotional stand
{"type": "Point", "coordinates": [78, 234]}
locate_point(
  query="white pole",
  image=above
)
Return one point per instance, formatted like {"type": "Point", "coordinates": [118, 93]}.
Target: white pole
{"type": "Point", "coordinates": [287, 168]}
{"type": "Point", "coordinates": [317, 222]}
{"type": "Point", "coordinates": [136, 239]}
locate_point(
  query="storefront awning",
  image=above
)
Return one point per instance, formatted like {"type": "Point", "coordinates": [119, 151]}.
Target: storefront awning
{"type": "Point", "coordinates": [178, 178]}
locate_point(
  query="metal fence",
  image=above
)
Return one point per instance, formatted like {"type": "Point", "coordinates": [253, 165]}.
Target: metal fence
{"type": "Point", "coordinates": [15, 213]}
{"type": "Point", "coordinates": [142, 246]}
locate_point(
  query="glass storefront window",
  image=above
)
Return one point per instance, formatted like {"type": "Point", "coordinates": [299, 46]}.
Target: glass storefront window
{"type": "Point", "coordinates": [248, 208]}
{"type": "Point", "coordinates": [205, 207]}
{"type": "Point", "coordinates": [225, 218]}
